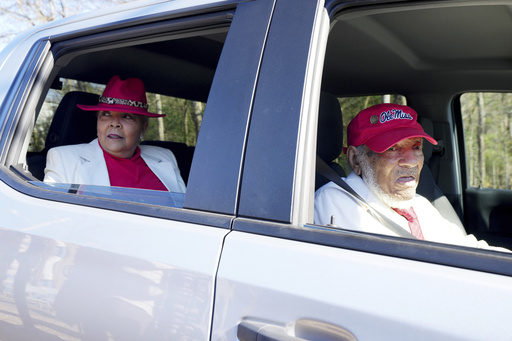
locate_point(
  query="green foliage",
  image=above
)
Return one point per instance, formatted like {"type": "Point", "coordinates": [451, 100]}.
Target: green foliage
{"type": "Point", "coordinates": [178, 124]}
{"type": "Point", "coordinates": [487, 121]}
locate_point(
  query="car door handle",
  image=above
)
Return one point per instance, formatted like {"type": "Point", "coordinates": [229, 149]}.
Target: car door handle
{"type": "Point", "coordinates": [303, 329]}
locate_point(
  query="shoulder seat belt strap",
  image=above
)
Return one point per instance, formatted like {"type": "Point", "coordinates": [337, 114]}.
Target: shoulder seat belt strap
{"type": "Point", "coordinates": [323, 169]}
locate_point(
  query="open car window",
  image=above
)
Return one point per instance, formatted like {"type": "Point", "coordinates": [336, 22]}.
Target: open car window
{"type": "Point", "coordinates": [177, 131]}
{"type": "Point", "coordinates": [177, 69]}
{"type": "Point", "coordinates": [367, 54]}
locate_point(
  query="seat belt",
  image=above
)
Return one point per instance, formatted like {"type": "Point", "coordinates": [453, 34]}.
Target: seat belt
{"type": "Point", "coordinates": [324, 169]}
{"type": "Point", "coordinates": [435, 158]}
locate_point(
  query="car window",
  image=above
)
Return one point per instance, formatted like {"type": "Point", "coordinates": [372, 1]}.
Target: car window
{"type": "Point", "coordinates": [367, 54]}
{"type": "Point", "coordinates": [177, 131]}
{"type": "Point", "coordinates": [487, 119]}
{"type": "Point", "coordinates": [177, 70]}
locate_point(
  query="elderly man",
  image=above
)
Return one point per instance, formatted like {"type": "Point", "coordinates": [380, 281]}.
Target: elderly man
{"type": "Point", "coordinates": [385, 153]}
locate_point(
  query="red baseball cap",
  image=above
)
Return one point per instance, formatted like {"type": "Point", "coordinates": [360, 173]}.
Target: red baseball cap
{"type": "Point", "coordinates": [124, 96]}
{"type": "Point", "coordinates": [383, 125]}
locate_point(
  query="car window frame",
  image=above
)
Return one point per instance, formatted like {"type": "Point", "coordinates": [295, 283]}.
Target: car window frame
{"type": "Point", "coordinates": [29, 89]}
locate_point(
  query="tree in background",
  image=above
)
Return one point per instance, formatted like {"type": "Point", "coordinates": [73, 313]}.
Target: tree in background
{"type": "Point", "coordinates": [488, 135]}
{"type": "Point", "coordinates": [182, 122]}
{"type": "Point", "coordinates": [19, 15]}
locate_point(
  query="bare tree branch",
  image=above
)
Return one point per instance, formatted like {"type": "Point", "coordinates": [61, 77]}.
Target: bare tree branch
{"type": "Point", "coordinates": [19, 15]}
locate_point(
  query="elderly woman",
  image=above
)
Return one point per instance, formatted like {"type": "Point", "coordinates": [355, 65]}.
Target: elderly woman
{"type": "Point", "coordinates": [115, 157]}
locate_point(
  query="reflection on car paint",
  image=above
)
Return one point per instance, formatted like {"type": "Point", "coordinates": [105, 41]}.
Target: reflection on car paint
{"type": "Point", "coordinates": [44, 281]}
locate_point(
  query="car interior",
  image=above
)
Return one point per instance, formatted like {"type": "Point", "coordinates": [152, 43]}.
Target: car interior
{"type": "Point", "coordinates": [430, 52]}
{"type": "Point", "coordinates": [176, 67]}
{"type": "Point", "coordinates": [330, 146]}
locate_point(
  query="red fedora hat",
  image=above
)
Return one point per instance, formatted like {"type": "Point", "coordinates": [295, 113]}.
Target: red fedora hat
{"type": "Point", "coordinates": [124, 96]}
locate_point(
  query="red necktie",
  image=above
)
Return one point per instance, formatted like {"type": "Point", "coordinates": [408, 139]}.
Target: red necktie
{"type": "Point", "coordinates": [411, 217]}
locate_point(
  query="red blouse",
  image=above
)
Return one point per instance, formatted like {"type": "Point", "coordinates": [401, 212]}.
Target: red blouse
{"type": "Point", "coordinates": [133, 172]}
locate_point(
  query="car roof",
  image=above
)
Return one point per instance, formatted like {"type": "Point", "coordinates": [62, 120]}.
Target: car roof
{"type": "Point", "coordinates": [181, 68]}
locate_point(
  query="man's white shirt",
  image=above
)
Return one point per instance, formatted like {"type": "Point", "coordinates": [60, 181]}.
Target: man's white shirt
{"type": "Point", "coordinates": [332, 200]}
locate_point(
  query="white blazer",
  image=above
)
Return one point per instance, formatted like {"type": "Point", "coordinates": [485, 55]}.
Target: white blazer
{"type": "Point", "coordinates": [85, 164]}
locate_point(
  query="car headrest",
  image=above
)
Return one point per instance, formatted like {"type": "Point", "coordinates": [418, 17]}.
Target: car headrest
{"type": "Point", "coordinates": [70, 124]}
{"type": "Point", "coordinates": [329, 143]}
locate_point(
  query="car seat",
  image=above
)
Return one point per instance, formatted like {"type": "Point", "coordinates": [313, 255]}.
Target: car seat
{"type": "Point", "coordinates": [427, 185]}
{"type": "Point", "coordinates": [70, 125]}
{"type": "Point", "coordinates": [181, 151]}
{"type": "Point", "coordinates": [329, 140]}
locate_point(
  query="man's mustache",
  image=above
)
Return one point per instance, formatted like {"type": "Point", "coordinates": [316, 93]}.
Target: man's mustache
{"type": "Point", "coordinates": [414, 172]}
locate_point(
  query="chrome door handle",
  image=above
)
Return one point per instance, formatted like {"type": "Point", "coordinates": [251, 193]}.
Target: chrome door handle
{"type": "Point", "coordinates": [303, 329]}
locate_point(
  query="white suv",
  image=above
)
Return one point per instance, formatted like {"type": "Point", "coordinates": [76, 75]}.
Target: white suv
{"type": "Point", "coordinates": [238, 255]}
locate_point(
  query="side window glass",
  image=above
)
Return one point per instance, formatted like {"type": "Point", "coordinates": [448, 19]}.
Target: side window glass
{"type": "Point", "coordinates": [487, 119]}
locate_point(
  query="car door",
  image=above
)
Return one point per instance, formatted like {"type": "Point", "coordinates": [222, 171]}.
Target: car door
{"type": "Point", "coordinates": [79, 262]}
{"type": "Point", "coordinates": [283, 278]}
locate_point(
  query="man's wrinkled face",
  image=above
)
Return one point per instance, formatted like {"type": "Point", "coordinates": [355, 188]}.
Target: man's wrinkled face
{"type": "Point", "coordinates": [396, 171]}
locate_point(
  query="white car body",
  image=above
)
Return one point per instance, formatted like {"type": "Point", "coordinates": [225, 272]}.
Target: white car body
{"type": "Point", "coordinates": [241, 258]}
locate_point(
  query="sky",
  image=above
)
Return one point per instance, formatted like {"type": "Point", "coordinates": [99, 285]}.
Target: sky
{"type": "Point", "coordinates": [8, 28]}
{"type": "Point", "coordinates": [10, 24]}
